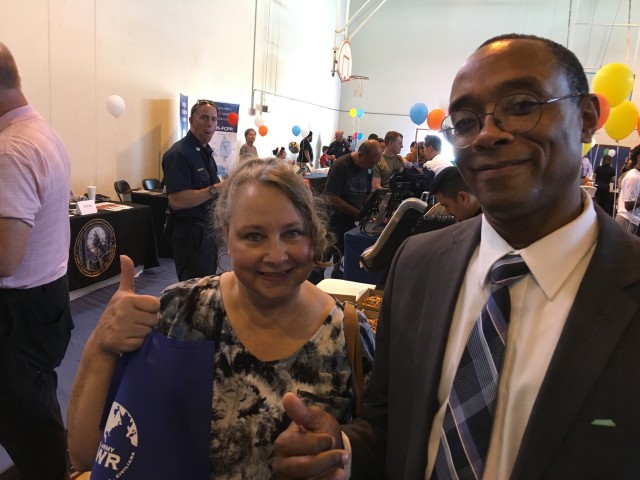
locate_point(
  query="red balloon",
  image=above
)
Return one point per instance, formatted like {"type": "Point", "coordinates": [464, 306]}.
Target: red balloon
{"type": "Point", "coordinates": [263, 130]}
{"type": "Point", "coordinates": [435, 118]}
{"type": "Point", "coordinates": [605, 109]}
{"type": "Point", "coordinates": [232, 118]}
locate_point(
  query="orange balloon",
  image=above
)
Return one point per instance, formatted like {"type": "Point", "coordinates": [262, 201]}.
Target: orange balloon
{"type": "Point", "coordinates": [638, 126]}
{"type": "Point", "coordinates": [435, 118]}
{"type": "Point", "coordinates": [263, 130]}
{"type": "Point", "coordinates": [605, 109]}
{"type": "Point", "coordinates": [232, 118]}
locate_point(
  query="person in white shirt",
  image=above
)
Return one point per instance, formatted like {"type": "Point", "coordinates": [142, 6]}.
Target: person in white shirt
{"type": "Point", "coordinates": [587, 171]}
{"type": "Point", "coordinates": [435, 160]}
{"type": "Point", "coordinates": [628, 216]}
{"type": "Point", "coordinates": [567, 395]}
{"type": "Point", "coordinates": [35, 315]}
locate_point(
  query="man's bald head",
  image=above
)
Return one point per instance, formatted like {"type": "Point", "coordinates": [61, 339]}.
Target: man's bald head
{"type": "Point", "coordinates": [9, 76]}
{"type": "Point", "coordinates": [368, 155]}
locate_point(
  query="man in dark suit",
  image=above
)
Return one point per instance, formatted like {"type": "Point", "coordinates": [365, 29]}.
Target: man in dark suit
{"type": "Point", "coordinates": [568, 395]}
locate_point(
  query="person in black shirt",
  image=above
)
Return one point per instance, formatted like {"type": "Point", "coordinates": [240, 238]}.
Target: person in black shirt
{"type": "Point", "coordinates": [306, 152]}
{"type": "Point", "coordinates": [191, 178]}
{"type": "Point", "coordinates": [348, 188]}
{"type": "Point", "coordinates": [603, 175]}
{"type": "Point", "coordinates": [338, 147]}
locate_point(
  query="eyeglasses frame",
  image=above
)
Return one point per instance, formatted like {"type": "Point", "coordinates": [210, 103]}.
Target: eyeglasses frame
{"type": "Point", "coordinates": [541, 103]}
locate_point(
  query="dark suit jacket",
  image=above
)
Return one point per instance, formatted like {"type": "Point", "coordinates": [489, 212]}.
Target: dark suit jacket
{"type": "Point", "coordinates": [594, 372]}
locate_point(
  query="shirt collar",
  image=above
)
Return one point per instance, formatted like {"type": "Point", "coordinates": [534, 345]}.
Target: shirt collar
{"type": "Point", "coordinates": [15, 114]}
{"type": "Point", "coordinates": [196, 143]}
{"type": "Point", "coordinates": [552, 258]}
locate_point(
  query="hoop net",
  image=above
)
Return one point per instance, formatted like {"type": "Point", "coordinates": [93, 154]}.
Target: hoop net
{"type": "Point", "coordinates": [359, 82]}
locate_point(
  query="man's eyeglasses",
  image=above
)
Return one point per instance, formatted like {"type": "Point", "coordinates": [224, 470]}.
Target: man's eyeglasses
{"type": "Point", "coordinates": [202, 102]}
{"type": "Point", "coordinates": [517, 113]}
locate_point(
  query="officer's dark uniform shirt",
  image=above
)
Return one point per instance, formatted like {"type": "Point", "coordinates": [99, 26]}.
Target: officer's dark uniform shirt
{"type": "Point", "coordinates": [187, 165]}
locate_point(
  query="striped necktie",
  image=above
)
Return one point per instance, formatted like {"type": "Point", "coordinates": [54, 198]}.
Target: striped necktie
{"type": "Point", "coordinates": [466, 430]}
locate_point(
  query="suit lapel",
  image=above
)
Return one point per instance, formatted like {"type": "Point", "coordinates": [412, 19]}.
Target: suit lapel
{"type": "Point", "coordinates": [599, 316]}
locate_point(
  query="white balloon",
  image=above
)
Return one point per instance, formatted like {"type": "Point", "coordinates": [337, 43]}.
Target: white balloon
{"type": "Point", "coordinates": [612, 153]}
{"type": "Point", "coordinates": [259, 121]}
{"type": "Point", "coordinates": [115, 105]}
{"type": "Point", "coordinates": [304, 133]}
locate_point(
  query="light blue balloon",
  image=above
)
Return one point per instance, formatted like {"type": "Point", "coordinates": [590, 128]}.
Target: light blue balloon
{"type": "Point", "coordinates": [418, 113]}
{"type": "Point", "coordinates": [296, 130]}
{"type": "Point", "coordinates": [360, 135]}
{"type": "Point", "coordinates": [360, 113]}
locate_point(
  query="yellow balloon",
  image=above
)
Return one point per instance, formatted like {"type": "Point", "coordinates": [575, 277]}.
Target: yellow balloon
{"type": "Point", "coordinates": [622, 120]}
{"type": "Point", "coordinates": [352, 112]}
{"type": "Point", "coordinates": [585, 148]}
{"type": "Point", "coordinates": [614, 81]}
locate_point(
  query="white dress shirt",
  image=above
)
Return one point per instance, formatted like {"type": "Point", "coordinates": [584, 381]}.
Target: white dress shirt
{"type": "Point", "coordinates": [540, 304]}
{"type": "Point", "coordinates": [629, 192]}
{"type": "Point", "coordinates": [438, 163]}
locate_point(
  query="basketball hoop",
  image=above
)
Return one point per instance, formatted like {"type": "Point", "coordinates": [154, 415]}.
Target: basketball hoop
{"type": "Point", "coordinates": [359, 82]}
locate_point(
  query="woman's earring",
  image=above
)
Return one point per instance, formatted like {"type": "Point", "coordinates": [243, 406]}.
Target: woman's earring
{"type": "Point", "coordinates": [225, 262]}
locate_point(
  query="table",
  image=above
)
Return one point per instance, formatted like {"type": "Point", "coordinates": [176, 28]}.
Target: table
{"type": "Point", "coordinates": [356, 242]}
{"type": "Point", "coordinates": [158, 203]}
{"type": "Point", "coordinates": [343, 290]}
{"type": "Point", "coordinates": [97, 241]}
{"type": "Point", "coordinates": [317, 180]}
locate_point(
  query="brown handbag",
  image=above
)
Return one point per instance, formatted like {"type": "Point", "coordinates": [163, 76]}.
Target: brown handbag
{"type": "Point", "coordinates": [354, 353]}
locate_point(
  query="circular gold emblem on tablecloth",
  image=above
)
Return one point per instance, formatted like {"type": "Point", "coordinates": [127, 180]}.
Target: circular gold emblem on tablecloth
{"type": "Point", "coordinates": [95, 247]}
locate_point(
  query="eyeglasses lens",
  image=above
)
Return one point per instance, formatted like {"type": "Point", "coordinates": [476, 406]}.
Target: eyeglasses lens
{"type": "Point", "coordinates": [514, 114]}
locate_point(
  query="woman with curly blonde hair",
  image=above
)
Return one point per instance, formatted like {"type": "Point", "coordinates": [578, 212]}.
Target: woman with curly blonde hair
{"type": "Point", "coordinates": [274, 331]}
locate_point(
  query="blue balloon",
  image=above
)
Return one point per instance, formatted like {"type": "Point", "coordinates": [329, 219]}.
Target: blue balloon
{"type": "Point", "coordinates": [296, 130]}
{"type": "Point", "coordinates": [360, 135]}
{"type": "Point", "coordinates": [418, 113]}
{"type": "Point", "coordinates": [359, 113]}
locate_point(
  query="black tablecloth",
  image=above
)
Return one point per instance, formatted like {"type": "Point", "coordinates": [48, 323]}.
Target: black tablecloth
{"type": "Point", "coordinates": [97, 241]}
{"type": "Point", "coordinates": [158, 203]}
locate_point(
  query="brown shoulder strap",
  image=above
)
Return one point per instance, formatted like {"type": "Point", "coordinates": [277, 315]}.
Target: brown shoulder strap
{"type": "Point", "coordinates": [354, 353]}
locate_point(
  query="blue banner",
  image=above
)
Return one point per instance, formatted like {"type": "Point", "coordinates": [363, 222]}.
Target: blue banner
{"type": "Point", "coordinates": [224, 109]}
{"type": "Point", "coordinates": [225, 141]}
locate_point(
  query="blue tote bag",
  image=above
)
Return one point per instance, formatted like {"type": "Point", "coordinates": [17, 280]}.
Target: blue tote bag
{"type": "Point", "coordinates": [157, 417]}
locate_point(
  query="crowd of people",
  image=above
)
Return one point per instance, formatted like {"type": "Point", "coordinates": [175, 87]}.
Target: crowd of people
{"type": "Point", "coordinates": [506, 343]}
{"type": "Point", "coordinates": [616, 192]}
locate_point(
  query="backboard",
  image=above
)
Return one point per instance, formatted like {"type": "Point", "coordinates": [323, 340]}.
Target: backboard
{"type": "Point", "coordinates": [345, 61]}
